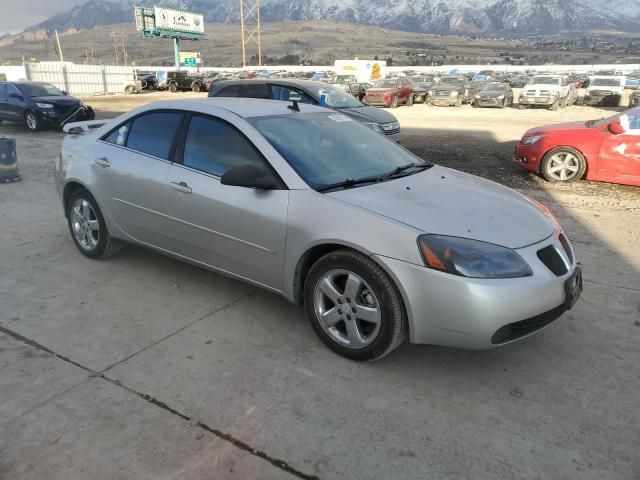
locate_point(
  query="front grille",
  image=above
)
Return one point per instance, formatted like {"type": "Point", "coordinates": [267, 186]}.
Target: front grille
{"type": "Point", "coordinates": [564, 241]}
{"type": "Point", "coordinates": [601, 93]}
{"type": "Point", "coordinates": [520, 329]}
{"type": "Point", "coordinates": [530, 93]}
{"type": "Point", "coordinates": [552, 259]}
{"type": "Point", "coordinates": [443, 93]}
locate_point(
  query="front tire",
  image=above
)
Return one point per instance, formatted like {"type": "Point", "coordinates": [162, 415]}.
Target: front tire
{"type": "Point", "coordinates": [88, 228]}
{"type": "Point", "coordinates": [353, 306]}
{"type": "Point", "coordinates": [394, 102]}
{"type": "Point", "coordinates": [173, 88]}
{"type": "Point", "coordinates": [31, 121]}
{"type": "Point", "coordinates": [563, 164]}
{"type": "Point", "coordinates": [410, 100]}
{"type": "Point", "coordinates": [196, 88]}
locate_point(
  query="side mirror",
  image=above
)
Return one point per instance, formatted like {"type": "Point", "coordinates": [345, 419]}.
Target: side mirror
{"type": "Point", "coordinates": [250, 176]}
{"type": "Point", "coordinates": [16, 96]}
{"type": "Point", "coordinates": [615, 128]}
{"type": "Point", "coordinates": [65, 93]}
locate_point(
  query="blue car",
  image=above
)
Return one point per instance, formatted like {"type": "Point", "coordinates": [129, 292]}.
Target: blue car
{"type": "Point", "coordinates": [633, 80]}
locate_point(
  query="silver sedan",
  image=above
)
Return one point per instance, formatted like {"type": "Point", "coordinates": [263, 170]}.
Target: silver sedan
{"type": "Point", "coordinates": [377, 244]}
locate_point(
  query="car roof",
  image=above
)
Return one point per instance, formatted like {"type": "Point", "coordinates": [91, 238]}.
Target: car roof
{"type": "Point", "coordinates": [243, 107]}
{"type": "Point", "coordinates": [276, 81]}
{"type": "Point", "coordinates": [26, 82]}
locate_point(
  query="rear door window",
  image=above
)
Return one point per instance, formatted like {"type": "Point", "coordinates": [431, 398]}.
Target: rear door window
{"type": "Point", "coordinates": [230, 91]}
{"type": "Point", "coordinates": [153, 133]}
{"type": "Point", "coordinates": [3, 92]}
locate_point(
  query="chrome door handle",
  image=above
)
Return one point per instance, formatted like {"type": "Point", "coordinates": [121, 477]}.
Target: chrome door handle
{"type": "Point", "coordinates": [103, 162]}
{"type": "Point", "coordinates": [182, 187]}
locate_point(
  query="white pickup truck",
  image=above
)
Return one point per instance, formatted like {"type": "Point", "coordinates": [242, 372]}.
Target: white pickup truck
{"type": "Point", "coordinates": [605, 91]}
{"type": "Point", "coordinates": [551, 91]}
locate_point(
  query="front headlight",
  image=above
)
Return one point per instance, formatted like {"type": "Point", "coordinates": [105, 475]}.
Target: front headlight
{"type": "Point", "coordinates": [477, 97]}
{"type": "Point", "coordinates": [471, 258]}
{"type": "Point", "coordinates": [531, 139]}
{"type": "Point", "coordinates": [454, 94]}
{"type": "Point", "coordinates": [375, 127]}
{"type": "Point", "coordinates": [501, 97]}
{"type": "Point", "coordinates": [44, 105]}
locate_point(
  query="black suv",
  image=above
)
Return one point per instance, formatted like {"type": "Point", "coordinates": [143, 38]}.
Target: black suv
{"type": "Point", "coordinates": [183, 81]}
{"type": "Point", "coordinates": [315, 93]}
{"type": "Point", "coordinates": [39, 104]}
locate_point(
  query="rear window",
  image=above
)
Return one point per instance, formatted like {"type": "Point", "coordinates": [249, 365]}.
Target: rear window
{"type": "Point", "coordinates": [153, 133]}
{"type": "Point", "coordinates": [256, 90]}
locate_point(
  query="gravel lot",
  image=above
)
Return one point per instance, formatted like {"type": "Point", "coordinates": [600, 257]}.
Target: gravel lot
{"type": "Point", "coordinates": [141, 367]}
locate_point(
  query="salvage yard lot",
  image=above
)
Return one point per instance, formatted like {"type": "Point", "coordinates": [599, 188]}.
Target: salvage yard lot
{"type": "Point", "coordinates": [142, 367]}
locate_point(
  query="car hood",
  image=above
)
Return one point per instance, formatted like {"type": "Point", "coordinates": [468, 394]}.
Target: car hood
{"type": "Point", "coordinates": [368, 114]}
{"type": "Point", "coordinates": [447, 88]}
{"type": "Point", "coordinates": [570, 126]}
{"type": "Point", "coordinates": [64, 101]}
{"type": "Point", "coordinates": [492, 94]}
{"type": "Point", "coordinates": [447, 202]}
{"type": "Point", "coordinates": [380, 90]}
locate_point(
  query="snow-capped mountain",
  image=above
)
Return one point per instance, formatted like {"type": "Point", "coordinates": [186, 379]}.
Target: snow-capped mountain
{"type": "Point", "coordinates": [435, 16]}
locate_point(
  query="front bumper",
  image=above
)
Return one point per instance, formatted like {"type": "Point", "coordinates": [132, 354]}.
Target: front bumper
{"type": "Point", "coordinates": [529, 156]}
{"type": "Point", "coordinates": [453, 311]}
{"type": "Point", "coordinates": [442, 101]}
{"type": "Point", "coordinates": [488, 102]}
{"type": "Point", "coordinates": [537, 100]}
{"type": "Point", "coordinates": [54, 118]}
{"type": "Point", "coordinates": [377, 101]}
{"type": "Point", "coordinates": [603, 100]}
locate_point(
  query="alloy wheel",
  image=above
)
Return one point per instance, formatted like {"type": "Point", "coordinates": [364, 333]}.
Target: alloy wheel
{"type": "Point", "coordinates": [85, 225]}
{"type": "Point", "coordinates": [32, 121]}
{"type": "Point", "coordinates": [563, 166]}
{"type": "Point", "coordinates": [347, 308]}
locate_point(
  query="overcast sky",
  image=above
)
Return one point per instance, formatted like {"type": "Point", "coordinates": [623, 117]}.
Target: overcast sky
{"type": "Point", "coordinates": [16, 15]}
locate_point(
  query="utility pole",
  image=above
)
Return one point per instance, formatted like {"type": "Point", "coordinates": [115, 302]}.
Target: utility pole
{"type": "Point", "coordinates": [250, 26]}
{"type": "Point", "coordinates": [120, 47]}
{"type": "Point", "coordinates": [59, 47]}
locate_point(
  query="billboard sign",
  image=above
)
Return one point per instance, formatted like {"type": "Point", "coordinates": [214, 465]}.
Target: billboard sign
{"type": "Point", "coordinates": [178, 20]}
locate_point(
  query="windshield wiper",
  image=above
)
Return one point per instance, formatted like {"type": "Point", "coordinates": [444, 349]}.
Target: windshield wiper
{"type": "Point", "coordinates": [354, 182]}
{"type": "Point", "coordinates": [395, 172]}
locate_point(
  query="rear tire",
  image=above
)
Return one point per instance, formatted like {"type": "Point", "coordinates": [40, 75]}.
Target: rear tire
{"type": "Point", "coordinates": [342, 286]}
{"type": "Point", "coordinates": [130, 89]}
{"type": "Point", "coordinates": [87, 227]}
{"type": "Point", "coordinates": [196, 88]}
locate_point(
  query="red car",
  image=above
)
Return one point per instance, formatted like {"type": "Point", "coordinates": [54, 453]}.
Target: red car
{"type": "Point", "coordinates": [605, 150]}
{"type": "Point", "coordinates": [390, 92]}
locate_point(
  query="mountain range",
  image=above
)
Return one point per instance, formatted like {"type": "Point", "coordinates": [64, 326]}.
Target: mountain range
{"type": "Point", "coordinates": [475, 17]}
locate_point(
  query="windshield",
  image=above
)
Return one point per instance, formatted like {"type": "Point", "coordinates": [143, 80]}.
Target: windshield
{"type": "Point", "coordinates": [385, 84]}
{"type": "Point", "coordinates": [329, 148]}
{"type": "Point", "coordinates": [450, 81]}
{"type": "Point", "coordinates": [335, 97]}
{"type": "Point", "coordinates": [605, 82]}
{"type": "Point", "coordinates": [343, 79]}
{"type": "Point", "coordinates": [494, 87]}
{"type": "Point", "coordinates": [545, 81]}
{"type": "Point", "coordinates": [39, 90]}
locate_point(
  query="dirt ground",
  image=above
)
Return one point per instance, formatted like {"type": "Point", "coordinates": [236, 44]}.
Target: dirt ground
{"type": "Point", "coordinates": [142, 367]}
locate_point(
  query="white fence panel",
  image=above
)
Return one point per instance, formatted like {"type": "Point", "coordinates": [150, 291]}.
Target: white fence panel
{"type": "Point", "coordinates": [82, 79]}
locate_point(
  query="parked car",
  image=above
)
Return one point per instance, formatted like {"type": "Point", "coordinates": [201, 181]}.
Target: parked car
{"type": "Point", "coordinates": [358, 90]}
{"type": "Point", "coordinates": [606, 150]}
{"type": "Point", "coordinates": [450, 91]}
{"type": "Point", "coordinates": [494, 94]}
{"type": "Point", "coordinates": [550, 91]}
{"type": "Point", "coordinates": [307, 91]}
{"type": "Point", "coordinates": [634, 99]}
{"type": "Point", "coordinates": [519, 81]}
{"type": "Point", "coordinates": [390, 92]}
{"type": "Point", "coordinates": [40, 104]}
{"type": "Point", "coordinates": [343, 81]}
{"type": "Point", "coordinates": [148, 79]}
{"type": "Point", "coordinates": [377, 244]}
{"type": "Point", "coordinates": [633, 80]}
{"type": "Point", "coordinates": [604, 91]}
{"type": "Point", "coordinates": [183, 81]}
{"type": "Point", "coordinates": [421, 87]}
